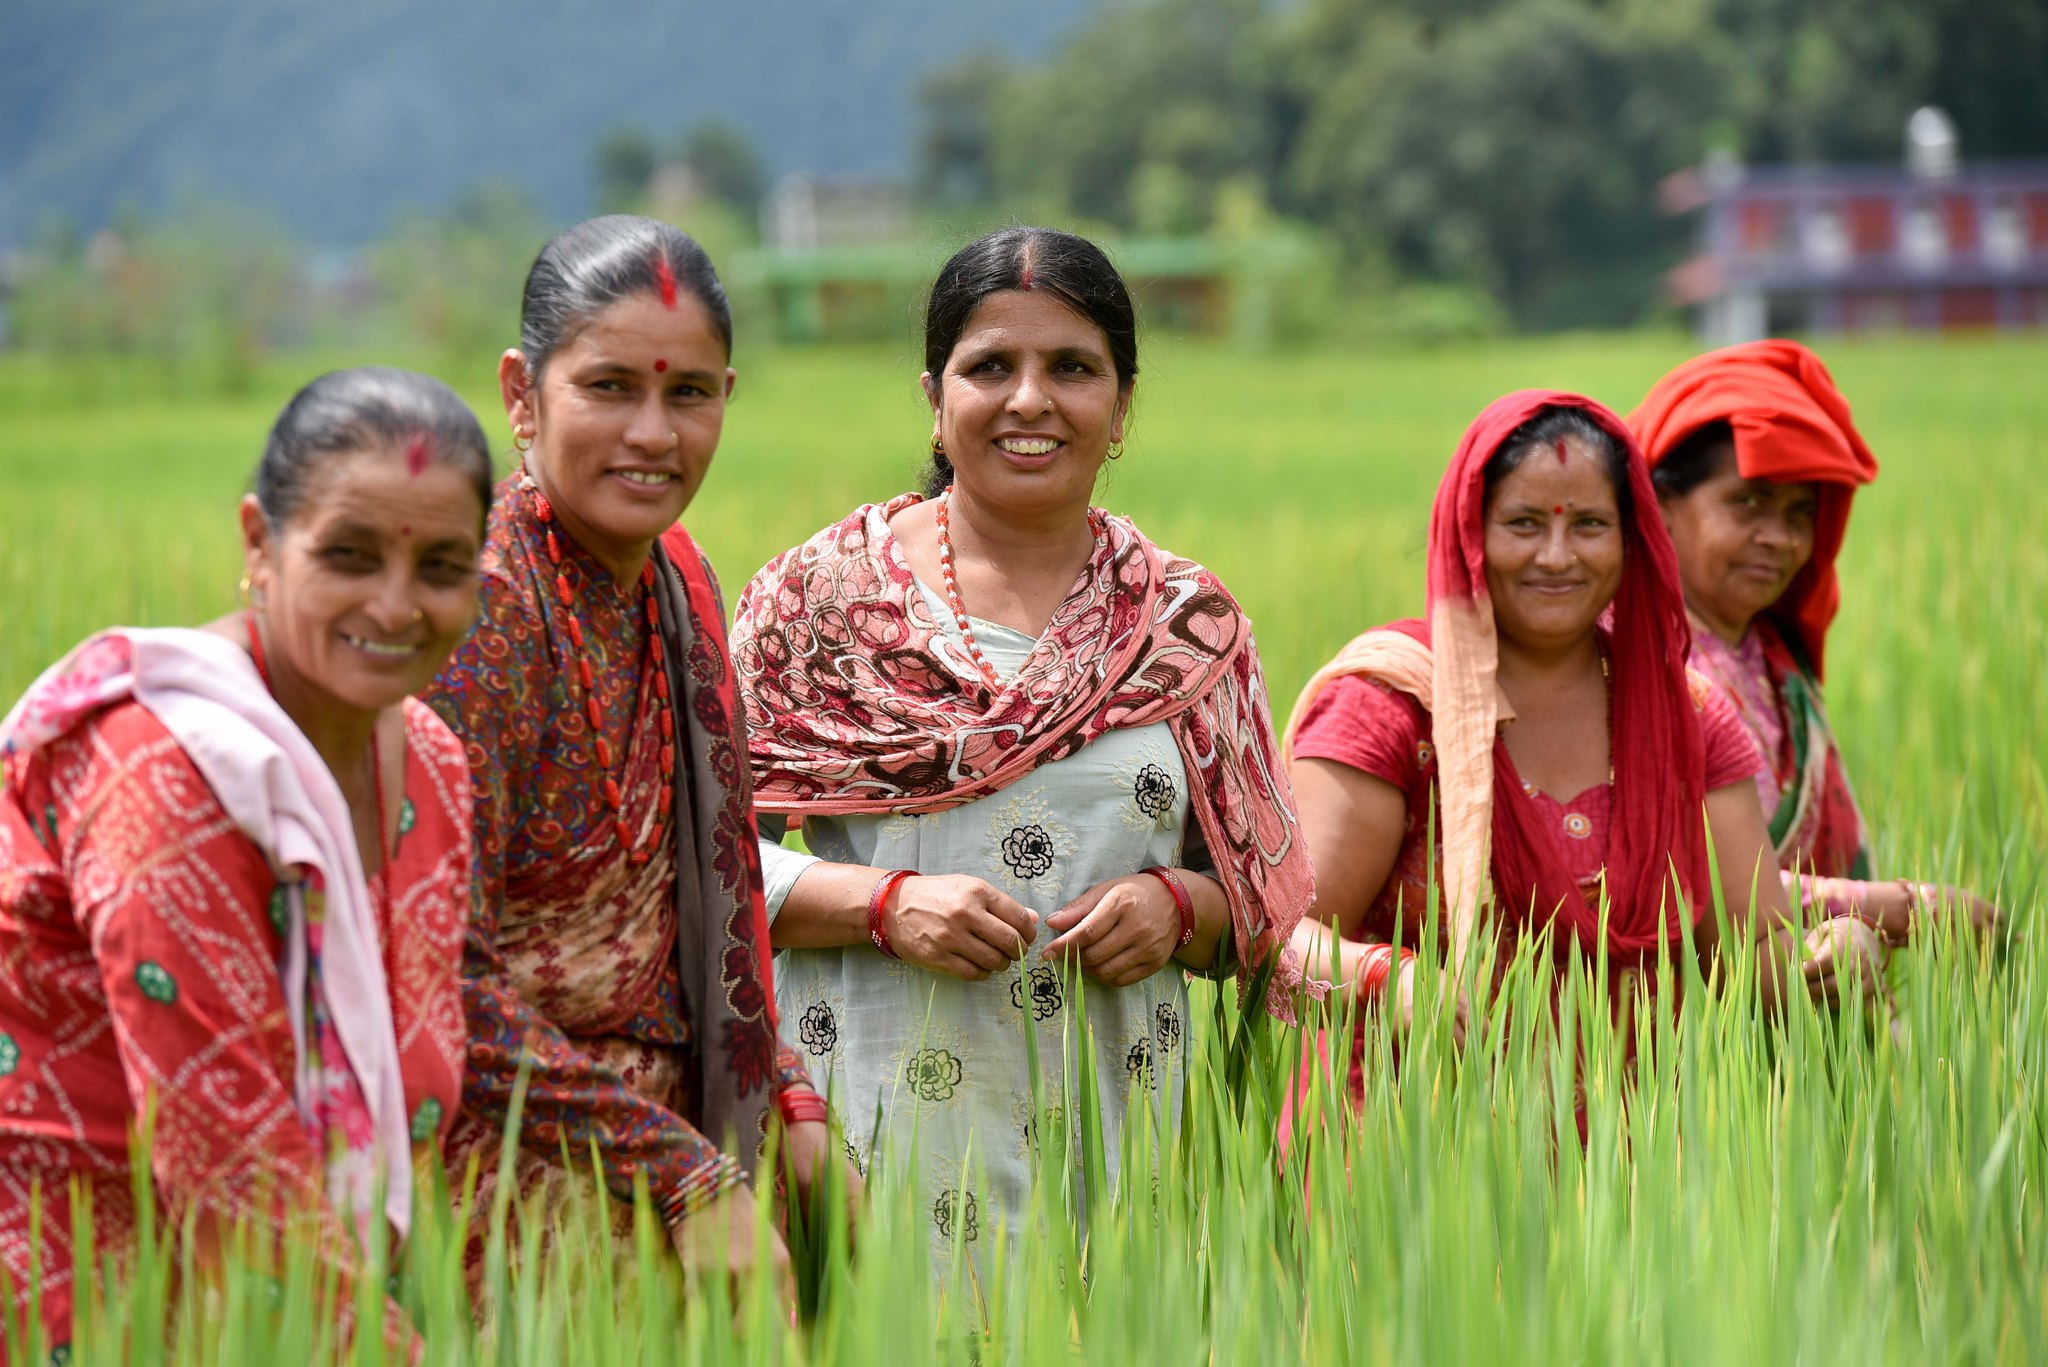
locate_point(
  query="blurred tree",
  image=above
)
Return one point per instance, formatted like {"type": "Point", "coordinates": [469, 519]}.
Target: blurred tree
{"type": "Point", "coordinates": [725, 164]}
{"type": "Point", "coordinates": [453, 282]}
{"type": "Point", "coordinates": [624, 165]}
{"type": "Point", "coordinates": [955, 152]}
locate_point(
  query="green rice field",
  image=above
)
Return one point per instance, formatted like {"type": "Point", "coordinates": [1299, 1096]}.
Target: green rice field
{"type": "Point", "coordinates": [1818, 1191]}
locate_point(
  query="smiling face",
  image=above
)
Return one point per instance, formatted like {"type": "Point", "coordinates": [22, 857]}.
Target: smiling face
{"type": "Point", "coordinates": [1028, 405]}
{"type": "Point", "coordinates": [368, 588]}
{"type": "Point", "coordinates": [624, 422]}
{"type": "Point", "coordinates": [1553, 547]}
{"type": "Point", "coordinates": [1740, 542]}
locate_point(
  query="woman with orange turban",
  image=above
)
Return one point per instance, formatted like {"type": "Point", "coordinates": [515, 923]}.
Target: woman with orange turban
{"type": "Point", "coordinates": [1755, 461]}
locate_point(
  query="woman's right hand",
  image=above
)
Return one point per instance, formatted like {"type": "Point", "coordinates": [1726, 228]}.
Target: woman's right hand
{"type": "Point", "coordinates": [957, 925]}
{"type": "Point", "coordinates": [717, 1239]}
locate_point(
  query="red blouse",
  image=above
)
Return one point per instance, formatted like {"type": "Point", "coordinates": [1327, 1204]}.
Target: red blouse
{"type": "Point", "coordinates": [1381, 731]}
{"type": "Point", "coordinates": [140, 944]}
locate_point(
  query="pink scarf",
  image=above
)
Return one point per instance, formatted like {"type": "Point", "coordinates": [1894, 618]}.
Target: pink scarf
{"type": "Point", "coordinates": [278, 791]}
{"type": "Point", "coordinates": [857, 701]}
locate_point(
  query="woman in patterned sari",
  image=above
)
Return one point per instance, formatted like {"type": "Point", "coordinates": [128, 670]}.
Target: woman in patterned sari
{"type": "Point", "coordinates": [234, 867]}
{"type": "Point", "coordinates": [1755, 461]}
{"type": "Point", "coordinates": [1561, 761]}
{"type": "Point", "coordinates": [1019, 736]}
{"type": "Point", "coordinates": [619, 944]}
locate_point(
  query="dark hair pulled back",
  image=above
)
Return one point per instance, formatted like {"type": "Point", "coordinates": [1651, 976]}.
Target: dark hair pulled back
{"type": "Point", "coordinates": [1542, 433]}
{"type": "Point", "coordinates": [1071, 269]}
{"type": "Point", "coordinates": [1694, 460]}
{"type": "Point", "coordinates": [586, 269]}
{"type": "Point", "coordinates": [370, 407]}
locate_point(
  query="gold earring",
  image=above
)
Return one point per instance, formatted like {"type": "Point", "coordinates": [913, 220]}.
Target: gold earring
{"type": "Point", "coordinates": [521, 442]}
{"type": "Point", "coordinates": [1116, 450]}
{"type": "Point", "coordinates": [247, 601]}
{"type": "Point", "coordinates": [938, 447]}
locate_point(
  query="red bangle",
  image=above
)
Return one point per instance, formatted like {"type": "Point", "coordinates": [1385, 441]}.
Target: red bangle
{"type": "Point", "coordinates": [1380, 964]}
{"type": "Point", "coordinates": [876, 901]}
{"type": "Point", "coordinates": [800, 1106]}
{"type": "Point", "coordinates": [1182, 903]}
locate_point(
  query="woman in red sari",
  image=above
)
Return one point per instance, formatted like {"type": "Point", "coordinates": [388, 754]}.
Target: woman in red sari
{"type": "Point", "coordinates": [234, 866]}
{"type": "Point", "coordinates": [1755, 460]}
{"type": "Point", "coordinates": [620, 943]}
{"type": "Point", "coordinates": [1569, 759]}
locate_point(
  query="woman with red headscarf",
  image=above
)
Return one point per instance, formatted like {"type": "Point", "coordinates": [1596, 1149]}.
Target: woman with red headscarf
{"type": "Point", "coordinates": [1755, 460]}
{"type": "Point", "coordinates": [1568, 759]}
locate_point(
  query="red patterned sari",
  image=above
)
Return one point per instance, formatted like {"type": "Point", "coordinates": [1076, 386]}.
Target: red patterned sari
{"type": "Point", "coordinates": [635, 979]}
{"type": "Point", "coordinates": [143, 960]}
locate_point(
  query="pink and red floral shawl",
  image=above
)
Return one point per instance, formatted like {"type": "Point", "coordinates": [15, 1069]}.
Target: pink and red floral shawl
{"type": "Point", "coordinates": [857, 701]}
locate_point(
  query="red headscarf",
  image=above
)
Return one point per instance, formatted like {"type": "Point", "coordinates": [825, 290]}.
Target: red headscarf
{"type": "Point", "coordinates": [1791, 425]}
{"type": "Point", "coordinates": [1659, 759]}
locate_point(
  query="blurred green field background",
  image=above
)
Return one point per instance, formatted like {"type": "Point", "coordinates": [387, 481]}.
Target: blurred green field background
{"type": "Point", "coordinates": [1816, 1193]}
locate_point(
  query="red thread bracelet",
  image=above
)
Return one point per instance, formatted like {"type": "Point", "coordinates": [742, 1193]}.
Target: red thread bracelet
{"type": "Point", "coordinates": [1183, 904]}
{"type": "Point", "coordinates": [799, 1106]}
{"type": "Point", "coordinates": [876, 901]}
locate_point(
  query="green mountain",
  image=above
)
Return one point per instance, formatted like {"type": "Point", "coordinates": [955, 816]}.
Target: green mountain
{"type": "Point", "coordinates": [331, 118]}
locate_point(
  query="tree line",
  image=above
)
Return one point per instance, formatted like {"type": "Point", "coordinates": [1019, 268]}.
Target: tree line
{"type": "Point", "coordinates": [1505, 150]}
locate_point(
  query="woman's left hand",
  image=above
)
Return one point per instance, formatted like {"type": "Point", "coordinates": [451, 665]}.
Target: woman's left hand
{"type": "Point", "coordinates": [811, 1151]}
{"type": "Point", "coordinates": [1122, 931]}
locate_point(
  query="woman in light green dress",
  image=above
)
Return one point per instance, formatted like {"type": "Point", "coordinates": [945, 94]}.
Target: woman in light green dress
{"type": "Point", "coordinates": [1031, 752]}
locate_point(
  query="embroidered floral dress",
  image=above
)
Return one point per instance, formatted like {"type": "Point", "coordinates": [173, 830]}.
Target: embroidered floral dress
{"type": "Point", "coordinates": [946, 1057]}
{"type": "Point", "coordinates": [141, 953]}
{"type": "Point", "coordinates": [573, 951]}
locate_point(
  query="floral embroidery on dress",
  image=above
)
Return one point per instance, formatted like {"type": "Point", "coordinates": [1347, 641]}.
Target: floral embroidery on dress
{"type": "Point", "coordinates": [1042, 990]}
{"type": "Point", "coordinates": [408, 817]}
{"type": "Point", "coordinates": [1031, 844]}
{"type": "Point", "coordinates": [1154, 792]}
{"type": "Point", "coordinates": [1028, 851]}
{"type": "Point", "coordinates": [10, 1055]}
{"type": "Point", "coordinates": [1138, 1063]}
{"type": "Point", "coordinates": [969, 1214]}
{"type": "Point", "coordinates": [1166, 1027]}
{"type": "Point", "coordinates": [819, 1029]}
{"type": "Point", "coordinates": [933, 1074]}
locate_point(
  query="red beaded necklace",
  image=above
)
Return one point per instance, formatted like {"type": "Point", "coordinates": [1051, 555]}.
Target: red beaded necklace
{"type": "Point", "coordinates": [384, 856]}
{"type": "Point", "coordinates": [952, 584]}
{"type": "Point", "coordinates": [664, 721]}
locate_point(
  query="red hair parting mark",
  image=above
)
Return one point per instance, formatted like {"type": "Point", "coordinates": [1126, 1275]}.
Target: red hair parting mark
{"type": "Point", "coordinates": [665, 277]}
{"type": "Point", "coordinates": [416, 453]}
{"type": "Point", "coordinates": [1560, 451]}
{"type": "Point", "coordinates": [659, 365]}
{"type": "Point", "coordinates": [1024, 280]}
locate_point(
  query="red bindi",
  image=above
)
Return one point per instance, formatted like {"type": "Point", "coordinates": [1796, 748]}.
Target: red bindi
{"type": "Point", "coordinates": [1557, 511]}
{"type": "Point", "coordinates": [416, 452]}
{"type": "Point", "coordinates": [1560, 450]}
{"type": "Point", "coordinates": [660, 366]}
{"type": "Point", "coordinates": [405, 530]}
{"type": "Point", "coordinates": [665, 278]}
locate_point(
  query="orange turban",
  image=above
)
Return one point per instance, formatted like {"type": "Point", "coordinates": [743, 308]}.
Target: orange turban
{"type": "Point", "coordinates": [1791, 425]}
